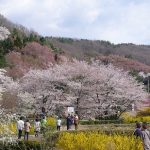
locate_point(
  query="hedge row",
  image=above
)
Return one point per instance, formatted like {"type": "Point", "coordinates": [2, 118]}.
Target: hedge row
{"type": "Point", "coordinates": [94, 122]}
{"type": "Point", "coordinates": [22, 145]}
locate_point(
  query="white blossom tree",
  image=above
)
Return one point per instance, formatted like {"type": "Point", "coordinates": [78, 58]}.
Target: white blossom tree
{"type": "Point", "coordinates": [103, 90]}
{"type": "Point", "coordinates": [47, 87]}
{"type": "Point", "coordinates": [6, 84]}
{"type": "Point", "coordinates": [4, 33]}
{"type": "Point", "coordinates": [94, 89]}
{"type": "Point", "coordinates": [113, 91]}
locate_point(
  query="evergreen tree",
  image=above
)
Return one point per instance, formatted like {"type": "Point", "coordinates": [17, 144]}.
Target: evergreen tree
{"type": "Point", "coordinates": [42, 41]}
{"type": "Point", "coordinates": [18, 42]}
{"type": "Point", "coordinates": [2, 58]}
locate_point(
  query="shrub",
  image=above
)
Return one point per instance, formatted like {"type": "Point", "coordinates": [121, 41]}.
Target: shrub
{"type": "Point", "coordinates": [132, 119]}
{"type": "Point", "coordinates": [22, 145]}
{"type": "Point", "coordinates": [92, 122]}
{"type": "Point", "coordinates": [51, 122]}
{"type": "Point", "coordinates": [145, 112]}
{"type": "Point", "coordinates": [96, 141]}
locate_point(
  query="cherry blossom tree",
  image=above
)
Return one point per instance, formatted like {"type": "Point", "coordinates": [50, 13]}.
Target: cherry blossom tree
{"type": "Point", "coordinates": [114, 91]}
{"type": "Point", "coordinates": [103, 90]}
{"type": "Point", "coordinates": [6, 84]}
{"type": "Point", "coordinates": [47, 87]}
{"type": "Point", "coordinates": [4, 32]}
{"type": "Point", "coordinates": [92, 88]}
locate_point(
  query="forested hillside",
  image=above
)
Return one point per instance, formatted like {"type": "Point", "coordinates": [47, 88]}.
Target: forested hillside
{"type": "Point", "coordinates": [22, 49]}
{"type": "Point", "coordinates": [82, 49]}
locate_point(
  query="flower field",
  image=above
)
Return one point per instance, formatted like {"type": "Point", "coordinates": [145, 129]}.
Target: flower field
{"type": "Point", "coordinates": [97, 141]}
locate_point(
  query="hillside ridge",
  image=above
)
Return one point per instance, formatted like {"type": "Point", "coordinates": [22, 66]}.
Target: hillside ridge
{"type": "Point", "coordinates": [30, 50]}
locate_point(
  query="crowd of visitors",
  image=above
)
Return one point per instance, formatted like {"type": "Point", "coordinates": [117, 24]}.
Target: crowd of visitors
{"type": "Point", "coordinates": [72, 120]}
{"type": "Point", "coordinates": [24, 127]}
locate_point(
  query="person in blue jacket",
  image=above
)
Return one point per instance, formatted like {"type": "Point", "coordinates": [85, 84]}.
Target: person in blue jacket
{"type": "Point", "coordinates": [69, 122]}
{"type": "Point", "coordinates": [138, 132]}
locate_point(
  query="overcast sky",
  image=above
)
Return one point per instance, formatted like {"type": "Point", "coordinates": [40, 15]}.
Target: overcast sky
{"type": "Point", "coordinates": [117, 21]}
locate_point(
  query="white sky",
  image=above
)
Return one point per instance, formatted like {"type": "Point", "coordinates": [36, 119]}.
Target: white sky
{"type": "Point", "coordinates": [114, 20]}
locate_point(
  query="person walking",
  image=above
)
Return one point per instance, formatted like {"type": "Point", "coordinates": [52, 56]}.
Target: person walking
{"type": "Point", "coordinates": [43, 124]}
{"type": "Point", "coordinates": [58, 123]}
{"type": "Point", "coordinates": [138, 132]}
{"type": "Point", "coordinates": [20, 127]}
{"type": "Point", "coordinates": [145, 136]}
{"type": "Point", "coordinates": [76, 121]}
{"type": "Point", "coordinates": [37, 127]}
{"type": "Point", "coordinates": [69, 122]}
{"type": "Point", "coordinates": [27, 127]}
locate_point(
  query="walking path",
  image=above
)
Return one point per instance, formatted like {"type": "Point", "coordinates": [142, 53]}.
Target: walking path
{"type": "Point", "coordinates": [86, 127]}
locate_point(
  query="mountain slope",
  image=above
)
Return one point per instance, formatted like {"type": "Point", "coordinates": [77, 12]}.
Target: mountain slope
{"type": "Point", "coordinates": [87, 48]}
{"type": "Point", "coordinates": [23, 50]}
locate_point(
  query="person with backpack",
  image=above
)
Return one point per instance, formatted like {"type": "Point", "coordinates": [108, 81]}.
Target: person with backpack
{"type": "Point", "coordinates": [145, 136]}
{"type": "Point", "coordinates": [27, 127]}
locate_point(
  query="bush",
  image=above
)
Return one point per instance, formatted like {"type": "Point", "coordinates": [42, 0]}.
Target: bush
{"type": "Point", "coordinates": [21, 145]}
{"type": "Point", "coordinates": [132, 119]}
{"type": "Point", "coordinates": [96, 141]}
{"type": "Point", "coordinates": [51, 122]}
{"type": "Point", "coordinates": [94, 122]}
{"type": "Point", "coordinates": [145, 112]}
{"type": "Point", "coordinates": [54, 139]}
